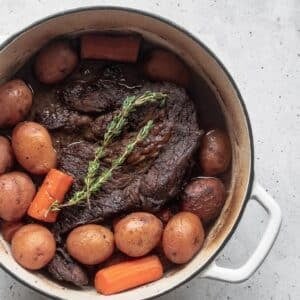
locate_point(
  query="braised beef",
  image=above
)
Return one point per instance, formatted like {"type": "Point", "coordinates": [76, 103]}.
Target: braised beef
{"type": "Point", "coordinates": [102, 93]}
{"type": "Point", "coordinates": [63, 268]}
{"type": "Point", "coordinates": [152, 175]}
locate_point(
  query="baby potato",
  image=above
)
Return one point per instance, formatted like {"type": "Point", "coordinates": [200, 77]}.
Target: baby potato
{"type": "Point", "coordinates": [138, 233]}
{"type": "Point", "coordinates": [33, 246]}
{"type": "Point", "coordinates": [7, 156]}
{"type": "Point", "coordinates": [183, 237]}
{"type": "Point", "coordinates": [90, 244]}
{"type": "Point", "coordinates": [204, 197]}
{"type": "Point", "coordinates": [16, 193]}
{"type": "Point", "coordinates": [8, 229]}
{"type": "Point", "coordinates": [55, 62]}
{"type": "Point", "coordinates": [162, 65]}
{"type": "Point", "coordinates": [33, 148]}
{"type": "Point", "coordinates": [15, 102]}
{"type": "Point", "coordinates": [215, 152]}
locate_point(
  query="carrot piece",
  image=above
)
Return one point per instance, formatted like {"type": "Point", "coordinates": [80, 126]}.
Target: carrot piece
{"type": "Point", "coordinates": [123, 48]}
{"type": "Point", "coordinates": [54, 187]}
{"type": "Point", "coordinates": [127, 275]}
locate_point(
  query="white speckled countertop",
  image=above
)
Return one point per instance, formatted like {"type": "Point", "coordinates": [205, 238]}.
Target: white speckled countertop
{"type": "Point", "coordinates": [259, 42]}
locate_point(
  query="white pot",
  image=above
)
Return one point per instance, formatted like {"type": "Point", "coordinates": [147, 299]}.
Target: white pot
{"type": "Point", "coordinates": [20, 47]}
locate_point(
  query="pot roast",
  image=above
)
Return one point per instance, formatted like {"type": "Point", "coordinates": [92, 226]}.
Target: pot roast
{"type": "Point", "coordinates": [77, 113]}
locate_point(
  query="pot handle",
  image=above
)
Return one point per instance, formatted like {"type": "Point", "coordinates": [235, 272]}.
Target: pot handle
{"type": "Point", "coordinates": [255, 260]}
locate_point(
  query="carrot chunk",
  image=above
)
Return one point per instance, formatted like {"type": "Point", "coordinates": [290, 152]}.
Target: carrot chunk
{"type": "Point", "coordinates": [124, 48]}
{"type": "Point", "coordinates": [127, 275]}
{"type": "Point", "coordinates": [54, 187]}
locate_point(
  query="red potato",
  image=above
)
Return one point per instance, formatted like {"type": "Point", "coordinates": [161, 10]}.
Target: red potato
{"type": "Point", "coordinates": [183, 237]}
{"type": "Point", "coordinates": [16, 193]}
{"type": "Point", "coordinates": [138, 233]}
{"type": "Point", "coordinates": [215, 152]}
{"type": "Point", "coordinates": [15, 102]}
{"type": "Point", "coordinates": [33, 246]}
{"type": "Point", "coordinates": [204, 197]}
{"type": "Point", "coordinates": [162, 65]}
{"type": "Point", "coordinates": [55, 62]}
{"type": "Point", "coordinates": [124, 48]}
{"type": "Point", "coordinates": [8, 229]}
{"type": "Point", "coordinates": [7, 156]}
{"type": "Point", "coordinates": [90, 244]}
{"type": "Point", "coordinates": [33, 148]}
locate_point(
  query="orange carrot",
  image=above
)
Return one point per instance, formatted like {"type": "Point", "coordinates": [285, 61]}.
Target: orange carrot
{"type": "Point", "coordinates": [123, 48]}
{"type": "Point", "coordinates": [127, 275]}
{"type": "Point", "coordinates": [54, 187]}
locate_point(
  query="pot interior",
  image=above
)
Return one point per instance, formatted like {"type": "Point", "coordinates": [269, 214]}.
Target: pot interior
{"type": "Point", "coordinates": [210, 83]}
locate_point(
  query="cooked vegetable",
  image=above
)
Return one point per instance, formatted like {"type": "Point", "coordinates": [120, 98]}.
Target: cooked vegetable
{"type": "Point", "coordinates": [55, 62]}
{"type": "Point", "coordinates": [8, 229]}
{"type": "Point", "coordinates": [33, 148]}
{"type": "Point", "coordinates": [127, 275]}
{"type": "Point", "coordinates": [215, 152]}
{"type": "Point", "coordinates": [95, 240]}
{"type": "Point", "coordinates": [204, 197]}
{"type": "Point", "coordinates": [16, 193]}
{"type": "Point", "coordinates": [15, 102]}
{"type": "Point", "coordinates": [107, 173]}
{"type": "Point", "coordinates": [138, 233]}
{"type": "Point", "coordinates": [33, 246]}
{"type": "Point", "coordinates": [183, 237]}
{"type": "Point", "coordinates": [162, 65]}
{"type": "Point", "coordinates": [119, 48]}
{"type": "Point", "coordinates": [55, 185]}
{"type": "Point", "coordinates": [7, 156]}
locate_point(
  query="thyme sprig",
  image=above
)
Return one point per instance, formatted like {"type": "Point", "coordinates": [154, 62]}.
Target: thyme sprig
{"type": "Point", "coordinates": [98, 182]}
{"type": "Point", "coordinates": [114, 129]}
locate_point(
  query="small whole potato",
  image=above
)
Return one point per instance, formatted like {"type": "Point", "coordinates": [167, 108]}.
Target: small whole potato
{"type": "Point", "coordinates": [55, 62]}
{"type": "Point", "coordinates": [183, 237]}
{"type": "Point", "coordinates": [33, 148]}
{"type": "Point", "coordinates": [204, 197]}
{"type": "Point", "coordinates": [15, 102]}
{"type": "Point", "coordinates": [33, 246]}
{"type": "Point", "coordinates": [8, 229]}
{"type": "Point", "coordinates": [16, 193]}
{"type": "Point", "coordinates": [138, 233]}
{"type": "Point", "coordinates": [162, 65]}
{"type": "Point", "coordinates": [90, 244]}
{"type": "Point", "coordinates": [7, 156]}
{"type": "Point", "coordinates": [215, 152]}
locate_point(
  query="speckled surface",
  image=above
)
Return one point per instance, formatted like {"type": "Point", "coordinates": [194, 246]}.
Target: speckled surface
{"type": "Point", "coordinates": [259, 42]}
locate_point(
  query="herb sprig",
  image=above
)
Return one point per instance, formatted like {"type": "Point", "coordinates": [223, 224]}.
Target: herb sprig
{"type": "Point", "coordinates": [97, 183]}
{"type": "Point", "coordinates": [114, 129]}
{"type": "Point", "coordinates": [93, 182]}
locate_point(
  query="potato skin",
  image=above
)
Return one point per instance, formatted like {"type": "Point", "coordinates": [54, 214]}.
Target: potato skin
{"type": "Point", "coordinates": [183, 237]}
{"type": "Point", "coordinates": [8, 229]}
{"type": "Point", "coordinates": [90, 244]}
{"type": "Point", "coordinates": [33, 246]}
{"type": "Point", "coordinates": [138, 233]}
{"type": "Point", "coordinates": [55, 62]}
{"type": "Point", "coordinates": [7, 156]}
{"type": "Point", "coordinates": [162, 65]}
{"type": "Point", "coordinates": [33, 148]}
{"type": "Point", "coordinates": [204, 197]}
{"type": "Point", "coordinates": [15, 102]}
{"type": "Point", "coordinates": [16, 193]}
{"type": "Point", "coordinates": [215, 152]}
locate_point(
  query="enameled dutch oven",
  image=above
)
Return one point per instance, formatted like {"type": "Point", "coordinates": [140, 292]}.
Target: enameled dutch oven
{"type": "Point", "coordinates": [19, 48]}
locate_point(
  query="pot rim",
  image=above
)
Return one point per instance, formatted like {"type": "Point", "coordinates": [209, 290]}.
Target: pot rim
{"type": "Point", "coordinates": [221, 65]}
